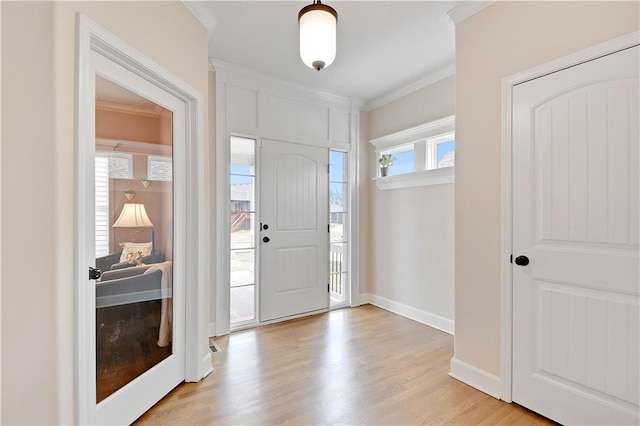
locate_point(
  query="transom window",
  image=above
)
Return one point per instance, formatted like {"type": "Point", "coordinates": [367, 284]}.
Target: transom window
{"type": "Point", "coordinates": [441, 151]}
{"type": "Point", "coordinates": [422, 155]}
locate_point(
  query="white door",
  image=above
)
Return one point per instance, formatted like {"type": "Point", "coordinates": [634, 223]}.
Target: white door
{"type": "Point", "coordinates": [575, 218]}
{"type": "Point", "coordinates": [133, 332]}
{"type": "Point", "coordinates": [294, 239]}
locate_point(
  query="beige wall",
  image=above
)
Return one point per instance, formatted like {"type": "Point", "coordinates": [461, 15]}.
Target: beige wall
{"type": "Point", "coordinates": [411, 229]}
{"type": "Point", "coordinates": [427, 104]}
{"type": "Point", "coordinates": [501, 40]}
{"type": "Point", "coordinates": [38, 49]}
{"type": "Point", "coordinates": [28, 227]}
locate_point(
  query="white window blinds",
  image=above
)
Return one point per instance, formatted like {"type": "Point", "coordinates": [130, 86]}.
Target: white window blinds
{"type": "Point", "coordinates": [102, 206]}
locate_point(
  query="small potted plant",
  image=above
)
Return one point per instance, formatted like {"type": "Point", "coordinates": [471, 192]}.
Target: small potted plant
{"type": "Point", "coordinates": [386, 161]}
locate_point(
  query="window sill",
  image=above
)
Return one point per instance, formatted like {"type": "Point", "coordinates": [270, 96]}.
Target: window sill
{"type": "Point", "coordinates": [423, 178]}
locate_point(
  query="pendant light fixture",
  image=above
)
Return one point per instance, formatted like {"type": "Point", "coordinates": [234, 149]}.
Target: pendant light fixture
{"type": "Point", "coordinates": [318, 35]}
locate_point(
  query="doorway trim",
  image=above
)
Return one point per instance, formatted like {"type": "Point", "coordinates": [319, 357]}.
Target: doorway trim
{"type": "Point", "coordinates": [91, 37]}
{"type": "Point", "coordinates": [256, 87]}
{"type": "Point", "coordinates": [506, 219]}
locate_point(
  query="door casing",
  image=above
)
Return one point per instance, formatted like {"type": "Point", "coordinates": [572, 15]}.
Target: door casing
{"type": "Point", "coordinates": [92, 38]}
{"type": "Point", "coordinates": [506, 220]}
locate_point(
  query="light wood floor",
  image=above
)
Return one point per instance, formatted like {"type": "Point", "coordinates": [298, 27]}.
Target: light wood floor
{"type": "Point", "coordinates": [351, 366]}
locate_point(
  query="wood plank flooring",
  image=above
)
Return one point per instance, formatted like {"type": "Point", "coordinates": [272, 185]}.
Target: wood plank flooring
{"type": "Point", "coordinates": [352, 366]}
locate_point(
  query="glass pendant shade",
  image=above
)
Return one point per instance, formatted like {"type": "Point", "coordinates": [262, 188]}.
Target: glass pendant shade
{"type": "Point", "coordinates": [318, 24]}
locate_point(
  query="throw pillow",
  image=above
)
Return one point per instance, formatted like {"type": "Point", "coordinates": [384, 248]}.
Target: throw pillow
{"type": "Point", "coordinates": [127, 248]}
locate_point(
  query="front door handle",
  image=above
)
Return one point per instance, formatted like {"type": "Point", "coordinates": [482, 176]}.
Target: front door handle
{"type": "Point", "coordinates": [94, 273]}
{"type": "Point", "coordinates": [266, 239]}
{"type": "Point", "coordinates": [522, 260]}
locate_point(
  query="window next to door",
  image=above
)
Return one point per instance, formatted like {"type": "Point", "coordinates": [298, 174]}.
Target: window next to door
{"type": "Point", "coordinates": [338, 228]}
{"type": "Point", "coordinates": [242, 278]}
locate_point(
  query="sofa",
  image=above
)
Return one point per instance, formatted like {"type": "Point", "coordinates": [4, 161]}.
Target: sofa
{"type": "Point", "coordinates": [112, 261]}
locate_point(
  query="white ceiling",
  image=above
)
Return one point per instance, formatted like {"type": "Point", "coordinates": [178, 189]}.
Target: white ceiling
{"type": "Point", "coordinates": [383, 46]}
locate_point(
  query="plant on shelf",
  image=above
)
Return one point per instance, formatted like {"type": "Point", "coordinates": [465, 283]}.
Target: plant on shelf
{"type": "Point", "coordinates": [386, 161]}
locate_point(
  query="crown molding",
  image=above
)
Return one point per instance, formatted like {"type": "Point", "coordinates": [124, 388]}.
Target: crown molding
{"type": "Point", "coordinates": [386, 98]}
{"type": "Point", "coordinates": [203, 14]}
{"type": "Point", "coordinates": [127, 109]}
{"type": "Point", "coordinates": [224, 70]}
{"type": "Point", "coordinates": [466, 9]}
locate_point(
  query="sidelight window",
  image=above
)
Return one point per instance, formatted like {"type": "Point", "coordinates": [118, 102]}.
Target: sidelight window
{"type": "Point", "coordinates": [338, 228]}
{"type": "Point", "coordinates": [242, 223]}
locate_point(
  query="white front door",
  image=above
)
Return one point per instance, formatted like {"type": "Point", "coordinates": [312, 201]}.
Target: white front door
{"type": "Point", "coordinates": [294, 240]}
{"type": "Point", "coordinates": [575, 219]}
{"type": "Point", "coordinates": [133, 332]}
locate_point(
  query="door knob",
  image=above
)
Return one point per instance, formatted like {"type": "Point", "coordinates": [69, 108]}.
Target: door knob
{"type": "Point", "coordinates": [266, 239]}
{"type": "Point", "coordinates": [522, 260]}
{"type": "Point", "coordinates": [94, 273]}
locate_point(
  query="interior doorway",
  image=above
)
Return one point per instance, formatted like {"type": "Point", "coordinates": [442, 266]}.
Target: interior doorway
{"type": "Point", "coordinates": [175, 216]}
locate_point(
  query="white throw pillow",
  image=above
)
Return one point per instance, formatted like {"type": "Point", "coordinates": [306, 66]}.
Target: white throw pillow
{"type": "Point", "coordinates": [127, 248]}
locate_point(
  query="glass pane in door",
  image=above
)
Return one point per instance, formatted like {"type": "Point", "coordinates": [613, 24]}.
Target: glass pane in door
{"type": "Point", "coordinates": [133, 236]}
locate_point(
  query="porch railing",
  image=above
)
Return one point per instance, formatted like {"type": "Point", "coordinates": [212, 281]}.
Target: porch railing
{"type": "Point", "coordinates": [336, 269]}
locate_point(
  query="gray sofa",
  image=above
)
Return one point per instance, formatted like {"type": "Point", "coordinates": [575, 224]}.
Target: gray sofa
{"type": "Point", "coordinates": [112, 261]}
{"type": "Point", "coordinates": [128, 285]}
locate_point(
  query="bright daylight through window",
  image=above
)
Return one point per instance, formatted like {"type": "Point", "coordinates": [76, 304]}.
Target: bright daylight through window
{"type": "Point", "coordinates": [422, 155]}
{"type": "Point", "coordinates": [429, 154]}
{"type": "Point", "coordinates": [338, 229]}
{"type": "Point", "coordinates": [242, 268]}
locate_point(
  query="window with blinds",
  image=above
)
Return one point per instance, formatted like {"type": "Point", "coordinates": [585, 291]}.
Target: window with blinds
{"type": "Point", "coordinates": [102, 205]}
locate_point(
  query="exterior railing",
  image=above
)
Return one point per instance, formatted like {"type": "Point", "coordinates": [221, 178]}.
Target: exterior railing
{"type": "Point", "coordinates": [336, 269]}
{"type": "Point", "coordinates": [238, 220]}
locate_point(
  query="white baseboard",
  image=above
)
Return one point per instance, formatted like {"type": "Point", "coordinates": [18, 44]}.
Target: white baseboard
{"type": "Point", "coordinates": [212, 329]}
{"type": "Point", "coordinates": [207, 368]}
{"type": "Point", "coordinates": [424, 317]}
{"type": "Point", "coordinates": [475, 377]}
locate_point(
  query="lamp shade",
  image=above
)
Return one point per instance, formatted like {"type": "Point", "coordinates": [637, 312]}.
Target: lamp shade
{"type": "Point", "coordinates": [133, 215]}
{"type": "Point", "coordinates": [318, 24]}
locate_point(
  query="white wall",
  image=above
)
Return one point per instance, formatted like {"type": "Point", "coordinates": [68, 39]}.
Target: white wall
{"type": "Point", "coordinates": [501, 40]}
{"type": "Point", "coordinates": [38, 97]}
{"type": "Point", "coordinates": [411, 230]}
